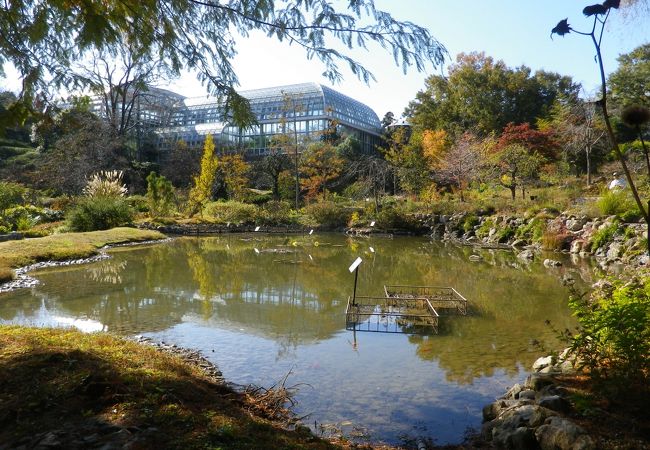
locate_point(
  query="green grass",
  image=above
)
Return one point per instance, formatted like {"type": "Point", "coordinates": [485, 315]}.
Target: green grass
{"type": "Point", "coordinates": [60, 247]}
{"type": "Point", "coordinates": [55, 378]}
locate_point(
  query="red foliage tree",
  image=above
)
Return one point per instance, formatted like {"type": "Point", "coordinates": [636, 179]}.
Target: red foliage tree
{"type": "Point", "coordinates": [541, 142]}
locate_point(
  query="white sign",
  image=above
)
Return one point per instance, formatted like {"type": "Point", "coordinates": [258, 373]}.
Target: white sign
{"type": "Point", "coordinates": [257, 228]}
{"type": "Point", "coordinates": [311, 257]}
{"type": "Point", "coordinates": [256, 251]}
{"type": "Point", "coordinates": [372, 224]}
{"type": "Point", "coordinates": [355, 264]}
{"type": "Point", "coordinates": [372, 250]}
{"type": "Point", "coordinates": [311, 232]}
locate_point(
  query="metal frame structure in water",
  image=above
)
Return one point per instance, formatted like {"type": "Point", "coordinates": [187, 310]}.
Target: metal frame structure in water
{"type": "Point", "coordinates": [446, 300]}
{"type": "Point", "coordinates": [390, 315]}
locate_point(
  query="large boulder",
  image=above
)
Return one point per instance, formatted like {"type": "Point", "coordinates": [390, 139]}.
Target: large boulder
{"type": "Point", "coordinates": [559, 433]}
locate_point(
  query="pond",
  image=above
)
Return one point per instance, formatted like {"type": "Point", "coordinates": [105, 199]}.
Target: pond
{"type": "Point", "coordinates": [263, 306]}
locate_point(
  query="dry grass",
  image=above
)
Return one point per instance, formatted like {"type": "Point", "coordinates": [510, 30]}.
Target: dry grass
{"type": "Point", "coordinates": [54, 379]}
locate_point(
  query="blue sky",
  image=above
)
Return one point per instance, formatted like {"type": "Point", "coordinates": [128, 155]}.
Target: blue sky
{"type": "Point", "coordinates": [517, 32]}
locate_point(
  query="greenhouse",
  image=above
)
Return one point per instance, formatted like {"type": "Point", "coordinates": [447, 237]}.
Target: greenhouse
{"type": "Point", "coordinates": [301, 112]}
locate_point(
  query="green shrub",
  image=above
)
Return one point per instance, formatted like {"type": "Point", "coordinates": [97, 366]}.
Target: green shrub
{"type": "Point", "coordinates": [604, 236]}
{"type": "Point", "coordinates": [231, 212]}
{"type": "Point", "coordinates": [277, 213]}
{"type": "Point", "coordinates": [505, 233]}
{"type": "Point", "coordinates": [613, 338]}
{"type": "Point", "coordinates": [533, 230]}
{"type": "Point", "coordinates": [160, 195]}
{"type": "Point", "coordinates": [11, 194]}
{"type": "Point", "coordinates": [470, 222]}
{"type": "Point", "coordinates": [484, 229]}
{"type": "Point", "coordinates": [618, 202]}
{"type": "Point", "coordinates": [139, 203]}
{"type": "Point", "coordinates": [392, 218]}
{"type": "Point", "coordinates": [99, 213]}
{"type": "Point", "coordinates": [327, 214]}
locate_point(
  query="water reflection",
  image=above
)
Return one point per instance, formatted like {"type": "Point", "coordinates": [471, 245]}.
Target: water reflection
{"type": "Point", "coordinates": [267, 305]}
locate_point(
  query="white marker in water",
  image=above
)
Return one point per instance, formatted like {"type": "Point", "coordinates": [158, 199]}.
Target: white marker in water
{"type": "Point", "coordinates": [256, 251]}
{"type": "Point", "coordinates": [372, 250]}
{"type": "Point", "coordinates": [311, 257]}
{"type": "Point", "coordinates": [355, 264]}
{"type": "Point", "coordinates": [257, 228]}
{"type": "Point", "coordinates": [372, 224]}
{"type": "Point", "coordinates": [311, 232]}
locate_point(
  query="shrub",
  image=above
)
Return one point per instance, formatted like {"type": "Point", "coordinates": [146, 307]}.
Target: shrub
{"type": "Point", "coordinates": [470, 222]}
{"type": "Point", "coordinates": [533, 230]}
{"type": "Point", "coordinates": [105, 184]}
{"type": "Point", "coordinates": [613, 338]}
{"type": "Point", "coordinates": [395, 218]}
{"type": "Point", "coordinates": [553, 241]}
{"type": "Point", "coordinates": [231, 212]}
{"type": "Point", "coordinates": [277, 213]}
{"type": "Point", "coordinates": [485, 228]}
{"type": "Point", "coordinates": [160, 195]}
{"type": "Point", "coordinates": [11, 194]}
{"type": "Point", "coordinates": [327, 214]}
{"type": "Point", "coordinates": [139, 203]}
{"type": "Point", "coordinates": [604, 236]}
{"type": "Point", "coordinates": [99, 213]}
{"type": "Point", "coordinates": [618, 202]}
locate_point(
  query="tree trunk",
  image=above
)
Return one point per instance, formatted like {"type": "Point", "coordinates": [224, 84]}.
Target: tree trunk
{"type": "Point", "coordinates": [513, 192]}
{"type": "Point", "coordinates": [645, 150]}
{"type": "Point", "coordinates": [588, 154]}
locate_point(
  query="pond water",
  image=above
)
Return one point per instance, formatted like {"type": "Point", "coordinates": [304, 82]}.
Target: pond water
{"type": "Point", "coordinates": [263, 306]}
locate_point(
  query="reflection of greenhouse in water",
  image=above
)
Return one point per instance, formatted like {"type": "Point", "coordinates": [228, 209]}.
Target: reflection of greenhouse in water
{"type": "Point", "coordinates": [302, 111]}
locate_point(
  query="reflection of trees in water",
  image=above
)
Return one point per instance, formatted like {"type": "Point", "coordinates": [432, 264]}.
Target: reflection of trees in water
{"type": "Point", "coordinates": [224, 281]}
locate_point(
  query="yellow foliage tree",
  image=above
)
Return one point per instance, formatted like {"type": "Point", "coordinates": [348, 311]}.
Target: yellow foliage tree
{"type": "Point", "coordinates": [320, 165]}
{"type": "Point", "coordinates": [235, 175]}
{"type": "Point", "coordinates": [435, 145]}
{"type": "Point", "coordinates": [202, 190]}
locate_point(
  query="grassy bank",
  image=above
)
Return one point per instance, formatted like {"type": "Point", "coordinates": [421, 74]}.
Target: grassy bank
{"type": "Point", "coordinates": [65, 246]}
{"type": "Point", "coordinates": [58, 382]}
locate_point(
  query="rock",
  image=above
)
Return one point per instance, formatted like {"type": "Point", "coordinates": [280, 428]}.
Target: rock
{"type": "Point", "coordinates": [540, 363]}
{"type": "Point", "coordinates": [615, 250]}
{"type": "Point", "coordinates": [526, 255]}
{"type": "Point", "coordinates": [552, 263]}
{"type": "Point", "coordinates": [491, 411]}
{"type": "Point", "coordinates": [475, 258]}
{"type": "Point", "coordinates": [513, 392]}
{"type": "Point", "coordinates": [555, 403]}
{"type": "Point", "coordinates": [561, 434]}
{"type": "Point", "coordinates": [537, 381]}
{"type": "Point", "coordinates": [526, 394]}
{"type": "Point", "coordinates": [518, 243]}
{"type": "Point", "coordinates": [577, 246]}
{"type": "Point", "coordinates": [575, 224]}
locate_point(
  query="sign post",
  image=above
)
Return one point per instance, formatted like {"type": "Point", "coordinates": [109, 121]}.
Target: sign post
{"type": "Point", "coordinates": [355, 268]}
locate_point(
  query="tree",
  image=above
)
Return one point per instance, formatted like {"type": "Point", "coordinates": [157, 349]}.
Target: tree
{"type": "Point", "coordinates": [541, 142]}
{"type": "Point", "coordinates": [182, 164]}
{"type": "Point", "coordinates": [160, 195]}
{"type": "Point", "coordinates": [320, 166]}
{"type": "Point", "coordinates": [271, 166]}
{"type": "Point", "coordinates": [42, 37]}
{"type": "Point", "coordinates": [630, 82]}
{"type": "Point", "coordinates": [408, 160]}
{"type": "Point", "coordinates": [485, 95]}
{"type": "Point", "coordinates": [201, 192]}
{"type": "Point", "coordinates": [77, 148]}
{"type": "Point", "coordinates": [461, 163]}
{"type": "Point", "coordinates": [120, 78]}
{"type": "Point", "coordinates": [515, 167]}
{"type": "Point", "coordinates": [233, 172]}
{"type": "Point", "coordinates": [435, 145]}
{"type": "Point", "coordinates": [579, 128]}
